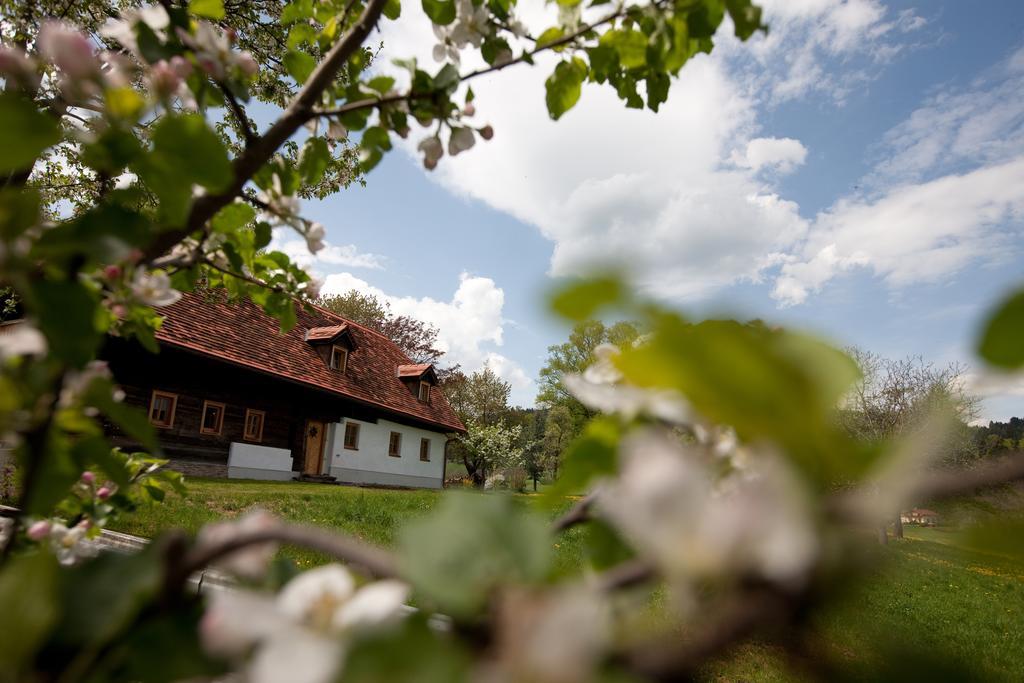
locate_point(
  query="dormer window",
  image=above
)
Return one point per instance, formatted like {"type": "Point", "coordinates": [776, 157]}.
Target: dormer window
{"type": "Point", "coordinates": [339, 358]}
{"type": "Point", "coordinates": [424, 394]}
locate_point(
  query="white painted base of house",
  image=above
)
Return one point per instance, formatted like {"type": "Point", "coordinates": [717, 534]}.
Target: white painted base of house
{"type": "Point", "coordinates": [350, 476]}
{"type": "Point", "coordinates": [249, 461]}
{"type": "Point", "coordinates": [264, 475]}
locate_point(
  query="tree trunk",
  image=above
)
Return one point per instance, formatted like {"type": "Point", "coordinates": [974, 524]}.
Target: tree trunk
{"type": "Point", "coordinates": [883, 536]}
{"type": "Point", "coordinates": [897, 529]}
{"type": "Point", "coordinates": [535, 483]}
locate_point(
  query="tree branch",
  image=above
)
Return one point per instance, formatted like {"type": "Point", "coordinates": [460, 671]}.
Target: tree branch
{"type": "Point", "coordinates": [263, 147]}
{"type": "Point", "coordinates": [369, 559]}
{"type": "Point", "coordinates": [239, 113]}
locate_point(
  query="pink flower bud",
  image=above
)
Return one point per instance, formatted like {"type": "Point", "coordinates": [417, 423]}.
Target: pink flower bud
{"type": "Point", "coordinates": [469, 109]}
{"type": "Point", "coordinates": [112, 272]}
{"type": "Point", "coordinates": [39, 530]}
{"type": "Point", "coordinates": [487, 132]}
{"type": "Point", "coordinates": [119, 311]}
{"type": "Point", "coordinates": [88, 477]}
{"type": "Point", "coordinates": [104, 492]}
{"type": "Point", "coordinates": [135, 255]}
{"type": "Point", "coordinates": [164, 79]}
{"type": "Point", "coordinates": [70, 50]}
{"type": "Point", "coordinates": [18, 68]}
{"type": "Point", "coordinates": [181, 66]}
{"type": "Point", "coordinates": [246, 64]}
{"type": "Point", "coordinates": [430, 164]}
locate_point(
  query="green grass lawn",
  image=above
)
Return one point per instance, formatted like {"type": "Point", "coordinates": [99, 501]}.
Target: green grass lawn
{"type": "Point", "coordinates": [929, 597]}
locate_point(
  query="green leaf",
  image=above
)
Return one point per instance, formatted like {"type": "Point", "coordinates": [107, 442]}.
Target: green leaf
{"type": "Point", "coordinates": [392, 9]}
{"type": "Point", "coordinates": [299, 65]}
{"type": "Point", "coordinates": [232, 217]}
{"type": "Point", "coordinates": [469, 546]}
{"type": "Point", "coordinates": [101, 597]}
{"type": "Point", "coordinates": [19, 210]}
{"type": "Point", "coordinates": [549, 36]}
{"type": "Point", "coordinates": [313, 161]}
{"type": "Point", "coordinates": [564, 86]}
{"type": "Point", "coordinates": [263, 235]}
{"type": "Point", "coordinates": [631, 46]}
{"type": "Point", "coordinates": [184, 144]}
{"type": "Point", "coordinates": [24, 133]}
{"type": "Point", "coordinates": [746, 17]}
{"type": "Point", "coordinates": [769, 384]}
{"type": "Point", "coordinates": [28, 595]}
{"type": "Point", "coordinates": [427, 656]}
{"type": "Point", "coordinates": [210, 9]}
{"type": "Point", "coordinates": [1002, 337]}
{"type": "Point", "coordinates": [593, 454]}
{"type": "Point", "coordinates": [296, 11]}
{"type": "Point", "coordinates": [301, 34]}
{"type": "Point", "coordinates": [657, 89]}
{"type": "Point", "coordinates": [581, 300]}
{"type": "Point", "coordinates": [441, 12]}
{"type": "Point", "coordinates": [67, 314]}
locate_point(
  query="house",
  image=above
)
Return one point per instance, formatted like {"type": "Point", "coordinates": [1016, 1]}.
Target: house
{"type": "Point", "coordinates": [231, 396]}
{"type": "Point", "coordinates": [920, 516]}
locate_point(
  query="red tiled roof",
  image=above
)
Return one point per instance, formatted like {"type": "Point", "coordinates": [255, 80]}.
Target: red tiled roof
{"type": "Point", "coordinates": [241, 333]}
{"type": "Point", "coordinates": [325, 333]}
{"type": "Point", "coordinates": [414, 370]}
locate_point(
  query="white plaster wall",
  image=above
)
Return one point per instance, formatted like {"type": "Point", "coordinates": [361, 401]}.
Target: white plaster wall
{"type": "Point", "coordinates": [372, 457]}
{"type": "Point", "coordinates": [249, 461]}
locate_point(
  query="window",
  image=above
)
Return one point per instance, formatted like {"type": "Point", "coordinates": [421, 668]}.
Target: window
{"type": "Point", "coordinates": [352, 436]}
{"type": "Point", "coordinates": [254, 425]}
{"type": "Point", "coordinates": [425, 450]}
{"type": "Point", "coordinates": [339, 358]}
{"type": "Point", "coordinates": [395, 445]}
{"type": "Point", "coordinates": [161, 408]}
{"type": "Point", "coordinates": [213, 418]}
{"type": "Point", "coordinates": [424, 392]}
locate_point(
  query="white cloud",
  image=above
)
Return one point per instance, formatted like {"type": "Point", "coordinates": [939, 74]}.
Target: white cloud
{"type": "Point", "coordinates": [468, 324]}
{"type": "Point", "coordinates": [916, 233]}
{"type": "Point", "coordinates": [782, 154]}
{"type": "Point", "coordinates": [346, 255]}
{"type": "Point", "coordinates": [826, 46]}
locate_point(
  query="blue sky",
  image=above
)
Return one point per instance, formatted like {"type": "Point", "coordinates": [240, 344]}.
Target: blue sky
{"type": "Point", "coordinates": [858, 173]}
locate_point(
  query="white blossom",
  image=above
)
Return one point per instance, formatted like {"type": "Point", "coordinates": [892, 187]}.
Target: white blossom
{"type": "Point", "coordinates": [313, 288]}
{"type": "Point", "coordinates": [669, 505]}
{"type": "Point", "coordinates": [432, 150]}
{"type": "Point", "coordinates": [154, 288]}
{"type": "Point", "coordinates": [336, 130]}
{"type": "Point", "coordinates": [22, 339]}
{"type": "Point", "coordinates": [212, 49]}
{"type": "Point", "coordinates": [251, 561]}
{"type": "Point", "coordinates": [600, 388]}
{"type": "Point", "coordinates": [281, 208]}
{"type": "Point", "coordinates": [71, 545]}
{"type": "Point", "coordinates": [18, 68]}
{"type": "Point", "coordinates": [315, 237]}
{"type": "Point", "coordinates": [461, 140]}
{"type": "Point", "coordinates": [75, 383]}
{"type": "Point", "coordinates": [471, 26]}
{"type": "Point", "coordinates": [301, 636]}
{"type": "Point", "coordinates": [123, 30]}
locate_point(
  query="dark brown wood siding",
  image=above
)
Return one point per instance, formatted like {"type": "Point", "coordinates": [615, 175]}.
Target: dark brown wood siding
{"type": "Point", "coordinates": [195, 379]}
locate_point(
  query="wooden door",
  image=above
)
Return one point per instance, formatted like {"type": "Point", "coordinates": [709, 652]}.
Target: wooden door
{"type": "Point", "coordinates": [314, 452]}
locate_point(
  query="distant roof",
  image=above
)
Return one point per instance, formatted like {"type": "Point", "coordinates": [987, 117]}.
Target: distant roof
{"type": "Point", "coordinates": [242, 334]}
{"type": "Point", "coordinates": [925, 512]}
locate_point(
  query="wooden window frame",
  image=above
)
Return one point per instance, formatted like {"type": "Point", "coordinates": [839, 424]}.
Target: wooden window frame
{"type": "Point", "coordinates": [332, 363]}
{"type": "Point", "coordinates": [424, 450]}
{"type": "Point", "coordinates": [397, 453]}
{"type": "Point", "coordinates": [220, 423]}
{"type": "Point", "coordinates": [420, 396]}
{"type": "Point", "coordinates": [246, 435]}
{"type": "Point", "coordinates": [174, 406]}
{"type": "Point", "coordinates": [355, 430]}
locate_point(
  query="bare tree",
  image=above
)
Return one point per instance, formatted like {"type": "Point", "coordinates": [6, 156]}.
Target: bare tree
{"type": "Point", "coordinates": [895, 396]}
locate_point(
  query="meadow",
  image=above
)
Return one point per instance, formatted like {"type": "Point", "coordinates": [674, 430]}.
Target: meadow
{"type": "Point", "coordinates": [927, 595]}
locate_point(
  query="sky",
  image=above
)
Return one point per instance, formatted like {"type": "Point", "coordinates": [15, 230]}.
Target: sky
{"type": "Point", "coordinates": [857, 173]}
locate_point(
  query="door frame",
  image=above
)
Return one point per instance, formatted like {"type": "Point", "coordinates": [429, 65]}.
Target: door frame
{"type": "Point", "coordinates": [322, 426]}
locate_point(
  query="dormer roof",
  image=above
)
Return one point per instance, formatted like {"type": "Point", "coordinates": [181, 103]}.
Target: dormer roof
{"type": "Point", "coordinates": [417, 371]}
{"type": "Point", "coordinates": [330, 334]}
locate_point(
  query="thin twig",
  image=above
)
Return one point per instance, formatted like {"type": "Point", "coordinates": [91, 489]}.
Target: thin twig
{"type": "Point", "coordinates": [577, 514]}
{"type": "Point", "coordinates": [238, 112]}
{"type": "Point", "coordinates": [366, 558]}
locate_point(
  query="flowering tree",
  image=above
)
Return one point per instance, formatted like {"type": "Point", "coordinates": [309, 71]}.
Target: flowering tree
{"type": "Point", "coordinates": [132, 171]}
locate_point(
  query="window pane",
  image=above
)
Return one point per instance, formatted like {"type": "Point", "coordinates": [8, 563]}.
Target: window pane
{"type": "Point", "coordinates": [425, 450]}
{"type": "Point", "coordinates": [212, 418]}
{"type": "Point", "coordinates": [394, 447]}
